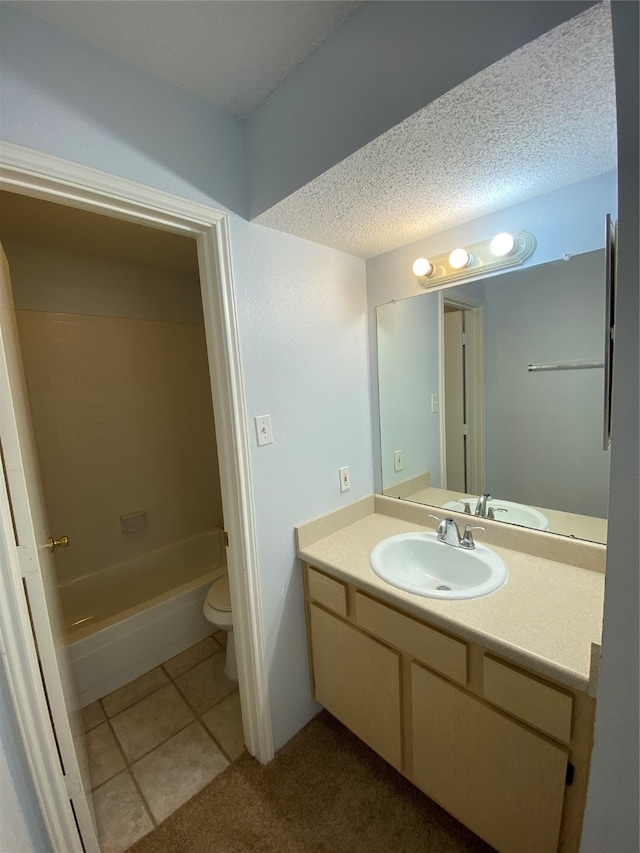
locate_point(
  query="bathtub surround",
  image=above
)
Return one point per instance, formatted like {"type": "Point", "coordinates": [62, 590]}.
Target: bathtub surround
{"type": "Point", "coordinates": [121, 405]}
{"type": "Point", "coordinates": [158, 740]}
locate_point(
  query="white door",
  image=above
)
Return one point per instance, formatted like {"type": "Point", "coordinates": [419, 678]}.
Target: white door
{"type": "Point", "coordinates": [32, 534]}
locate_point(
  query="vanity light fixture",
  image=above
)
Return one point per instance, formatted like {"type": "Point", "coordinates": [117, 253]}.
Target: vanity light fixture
{"type": "Point", "coordinates": [459, 259]}
{"type": "Point", "coordinates": [422, 267]}
{"type": "Point", "coordinates": [504, 250]}
{"type": "Point", "coordinates": [502, 244]}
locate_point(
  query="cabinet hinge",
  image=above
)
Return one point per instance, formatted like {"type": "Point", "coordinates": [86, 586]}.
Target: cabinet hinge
{"type": "Point", "coordinates": [226, 539]}
{"type": "Point", "coordinates": [464, 339]}
{"type": "Point", "coordinates": [570, 773]}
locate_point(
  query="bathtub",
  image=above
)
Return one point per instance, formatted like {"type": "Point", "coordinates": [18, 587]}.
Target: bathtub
{"type": "Point", "coordinates": [127, 618]}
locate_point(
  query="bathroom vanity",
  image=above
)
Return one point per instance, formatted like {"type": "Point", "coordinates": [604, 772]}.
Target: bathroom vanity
{"type": "Point", "coordinates": [487, 705]}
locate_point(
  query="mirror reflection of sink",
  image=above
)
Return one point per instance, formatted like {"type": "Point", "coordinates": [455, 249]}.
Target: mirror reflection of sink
{"type": "Point", "coordinates": [508, 511]}
{"type": "Point", "coordinates": [418, 563]}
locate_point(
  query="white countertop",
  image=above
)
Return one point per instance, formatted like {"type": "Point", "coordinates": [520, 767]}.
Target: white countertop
{"type": "Point", "coordinates": [545, 617]}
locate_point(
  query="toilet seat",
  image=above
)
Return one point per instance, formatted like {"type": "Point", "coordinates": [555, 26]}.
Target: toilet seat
{"type": "Point", "coordinates": [219, 595]}
{"type": "Point", "coordinates": [217, 605]}
{"type": "Point", "coordinates": [217, 610]}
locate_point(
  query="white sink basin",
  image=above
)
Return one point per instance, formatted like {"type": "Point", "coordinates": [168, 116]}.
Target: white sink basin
{"type": "Point", "coordinates": [417, 562]}
{"type": "Point", "coordinates": [508, 511]}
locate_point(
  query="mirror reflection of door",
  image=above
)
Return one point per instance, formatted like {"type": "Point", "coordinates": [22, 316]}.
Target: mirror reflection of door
{"type": "Point", "coordinates": [454, 398]}
{"type": "Point", "coordinates": [463, 396]}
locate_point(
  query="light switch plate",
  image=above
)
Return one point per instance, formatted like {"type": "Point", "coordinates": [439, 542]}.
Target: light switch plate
{"type": "Point", "coordinates": [263, 430]}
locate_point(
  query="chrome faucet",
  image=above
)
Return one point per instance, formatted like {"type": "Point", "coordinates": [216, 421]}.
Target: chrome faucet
{"type": "Point", "coordinates": [481, 506]}
{"type": "Point", "coordinates": [449, 533]}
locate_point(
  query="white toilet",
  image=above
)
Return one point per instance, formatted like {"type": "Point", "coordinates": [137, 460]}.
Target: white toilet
{"type": "Point", "coordinates": [217, 609]}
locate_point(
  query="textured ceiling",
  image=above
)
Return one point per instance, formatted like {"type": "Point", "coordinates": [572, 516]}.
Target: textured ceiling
{"type": "Point", "coordinates": [539, 119]}
{"type": "Point", "coordinates": [231, 54]}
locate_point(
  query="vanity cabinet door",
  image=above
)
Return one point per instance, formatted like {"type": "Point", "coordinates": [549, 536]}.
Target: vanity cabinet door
{"type": "Point", "coordinates": [357, 679]}
{"type": "Point", "coordinates": [501, 779]}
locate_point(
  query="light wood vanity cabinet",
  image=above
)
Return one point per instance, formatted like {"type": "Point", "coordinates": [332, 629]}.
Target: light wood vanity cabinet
{"type": "Point", "coordinates": [504, 751]}
{"type": "Point", "coordinates": [357, 679]}
{"type": "Point", "coordinates": [498, 777]}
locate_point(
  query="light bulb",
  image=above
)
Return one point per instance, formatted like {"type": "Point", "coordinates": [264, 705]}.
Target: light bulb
{"type": "Point", "coordinates": [502, 244]}
{"type": "Point", "coordinates": [422, 267]}
{"type": "Point", "coordinates": [459, 258]}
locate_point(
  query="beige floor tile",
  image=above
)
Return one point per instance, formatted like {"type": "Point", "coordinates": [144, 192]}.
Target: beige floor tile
{"type": "Point", "coordinates": [221, 637]}
{"type": "Point", "coordinates": [177, 770]}
{"type": "Point", "coordinates": [151, 721]}
{"type": "Point", "coordinates": [224, 721]}
{"type": "Point", "coordinates": [192, 656]}
{"type": "Point", "coordinates": [131, 693]}
{"type": "Point", "coordinates": [92, 716]}
{"type": "Point", "coordinates": [121, 815]}
{"type": "Point", "coordinates": [206, 684]}
{"type": "Point", "coordinates": [105, 758]}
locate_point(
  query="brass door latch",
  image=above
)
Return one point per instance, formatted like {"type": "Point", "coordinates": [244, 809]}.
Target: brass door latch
{"type": "Point", "coordinates": [62, 542]}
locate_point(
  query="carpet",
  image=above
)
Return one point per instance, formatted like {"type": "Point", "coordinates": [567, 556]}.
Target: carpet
{"type": "Point", "coordinates": [324, 792]}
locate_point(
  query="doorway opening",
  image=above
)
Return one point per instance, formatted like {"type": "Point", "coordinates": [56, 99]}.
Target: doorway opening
{"type": "Point", "coordinates": [111, 329]}
{"type": "Point", "coordinates": [35, 175]}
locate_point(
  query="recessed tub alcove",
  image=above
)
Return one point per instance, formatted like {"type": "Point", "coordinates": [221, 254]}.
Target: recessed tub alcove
{"type": "Point", "coordinates": [130, 617]}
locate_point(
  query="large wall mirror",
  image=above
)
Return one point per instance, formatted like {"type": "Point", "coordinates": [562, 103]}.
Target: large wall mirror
{"type": "Point", "coordinates": [496, 387]}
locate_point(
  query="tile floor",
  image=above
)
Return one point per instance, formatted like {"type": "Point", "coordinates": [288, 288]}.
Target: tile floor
{"type": "Point", "coordinates": [157, 741]}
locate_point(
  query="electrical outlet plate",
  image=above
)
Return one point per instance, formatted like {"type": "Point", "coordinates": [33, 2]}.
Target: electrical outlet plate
{"type": "Point", "coordinates": [398, 461]}
{"type": "Point", "coordinates": [345, 479]}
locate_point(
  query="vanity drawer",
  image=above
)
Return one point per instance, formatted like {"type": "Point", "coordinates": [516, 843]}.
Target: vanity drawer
{"type": "Point", "coordinates": [547, 708]}
{"type": "Point", "coordinates": [327, 591]}
{"type": "Point", "coordinates": [427, 645]}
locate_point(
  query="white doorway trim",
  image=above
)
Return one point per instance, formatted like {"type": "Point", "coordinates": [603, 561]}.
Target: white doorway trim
{"type": "Point", "coordinates": [43, 176]}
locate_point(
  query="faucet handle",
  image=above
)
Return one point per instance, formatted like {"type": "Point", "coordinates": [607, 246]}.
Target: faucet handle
{"type": "Point", "coordinates": [467, 539]}
{"type": "Point", "coordinates": [494, 509]}
{"type": "Point", "coordinates": [466, 506]}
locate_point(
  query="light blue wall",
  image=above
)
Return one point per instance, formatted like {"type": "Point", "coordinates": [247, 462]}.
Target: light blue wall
{"type": "Point", "coordinates": [408, 372]}
{"type": "Point", "coordinates": [388, 60]}
{"type": "Point", "coordinates": [66, 98]}
{"type": "Point", "coordinates": [302, 315]}
{"type": "Point", "coordinates": [567, 221]}
{"type": "Point", "coordinates": [543, 430]}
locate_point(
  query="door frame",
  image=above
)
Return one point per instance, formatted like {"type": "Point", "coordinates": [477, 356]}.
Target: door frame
{"type": "Point", "coordinates": [474, 330]}
{"type": "Point", "coordinates": [43, 176]}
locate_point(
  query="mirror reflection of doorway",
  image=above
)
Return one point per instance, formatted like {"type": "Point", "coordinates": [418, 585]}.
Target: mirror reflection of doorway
{"type": "Point", "coordinates": [463, 395]}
